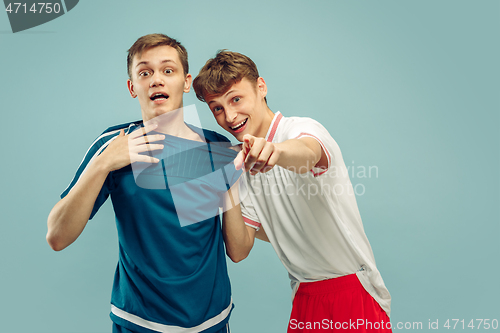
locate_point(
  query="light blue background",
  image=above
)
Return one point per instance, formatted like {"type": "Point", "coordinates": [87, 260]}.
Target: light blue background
{"type": "Point", "coordinates": [411, 87]}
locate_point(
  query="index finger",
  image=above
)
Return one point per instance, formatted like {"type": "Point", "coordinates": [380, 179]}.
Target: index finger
{"type": "Point", "coordinates": [253, 154]}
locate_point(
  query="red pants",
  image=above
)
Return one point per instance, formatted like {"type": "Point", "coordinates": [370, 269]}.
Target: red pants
{"type": "Point", "coordinates": [339, 304]}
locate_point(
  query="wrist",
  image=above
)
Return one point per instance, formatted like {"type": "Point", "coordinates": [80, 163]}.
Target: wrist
{"type": "Point", "coordinates": [280, 150]}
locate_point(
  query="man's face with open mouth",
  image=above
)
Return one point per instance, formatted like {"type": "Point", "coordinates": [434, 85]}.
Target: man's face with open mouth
{"type": "Point", "coordinates": [158, 81]}
{"type": "Point", "coordinates": [241, 110]}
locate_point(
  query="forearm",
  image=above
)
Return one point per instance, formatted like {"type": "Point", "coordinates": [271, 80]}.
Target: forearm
{"type": "Point", "coordinates": [69, 216]}
{"type": "Point", "coordinates": [297, 156]}
{"type": "Point", "coordinates": [239, 238]}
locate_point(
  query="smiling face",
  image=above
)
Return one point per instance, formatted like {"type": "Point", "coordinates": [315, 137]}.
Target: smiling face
{"type": "Point", "coordinates": [158, 80]}
{"type": "Point", "coordinates": [242, 109]}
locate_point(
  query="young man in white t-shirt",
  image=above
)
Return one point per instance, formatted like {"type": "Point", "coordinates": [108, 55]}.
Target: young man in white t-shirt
{"type": "Point", "coordinates": [300, 199]}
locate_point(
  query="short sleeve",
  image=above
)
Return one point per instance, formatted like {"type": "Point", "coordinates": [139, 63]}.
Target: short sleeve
{"type": "Point", "coordinates": [306, 127]}
{"type": "Point", "coordinates": [248, 209]}
{"type": "Point", "coordinates": [95, 149]}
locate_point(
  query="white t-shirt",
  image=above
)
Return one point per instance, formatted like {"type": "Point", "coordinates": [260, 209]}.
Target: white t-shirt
{"type": "Point", "coordinates": [312, 219]}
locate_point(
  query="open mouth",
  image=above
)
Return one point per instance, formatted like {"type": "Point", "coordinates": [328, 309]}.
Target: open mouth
{"type": "Point", "coordinates": [158, 97]}
{"type": "Point", "coordinates": [239, 126]}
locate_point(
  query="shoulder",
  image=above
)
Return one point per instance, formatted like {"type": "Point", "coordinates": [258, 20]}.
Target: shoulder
{"type": "Point", "coordinates": [113, 131]}
{"type": "Point", "coordinates": [209, 135]}
{"type": "Point", "coordinates": [128, 127]}
{"type": "Point", "coordinates": [299, 121]}
{"type": "Point", "coordinates": [216, 137]}
{"type": "Point", "coordinates": [108, 135]}
{"type": "Point", "coordinates": [300, 127]}
{"type": "Point", "coordinates": [292, 127]}
{"type": "Point", "coordinates": [97, 146]}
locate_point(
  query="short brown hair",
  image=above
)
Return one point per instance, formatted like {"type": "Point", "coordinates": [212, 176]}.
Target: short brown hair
{"type": "Point", "coordinates": [153, 40]}
{"type": "Point", "coordinates": [221, 72]}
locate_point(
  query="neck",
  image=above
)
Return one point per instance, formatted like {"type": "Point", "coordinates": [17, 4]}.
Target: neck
{"type": "Point", "coordinates": [172, 123]}
{"type": "Point", "coordinates": [266, 122]}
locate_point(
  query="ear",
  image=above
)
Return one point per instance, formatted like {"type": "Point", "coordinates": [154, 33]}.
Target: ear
{"type": "Point", "coordinates": [130, 86]}
{"type": "Point", "coordinates": [262, 87]}
{"type": "Point", "coordinates": [187, 83]}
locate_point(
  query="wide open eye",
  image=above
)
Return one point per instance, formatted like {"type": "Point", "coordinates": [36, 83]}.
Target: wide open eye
{"type": "Point", "coordinates": [169, 71]}
{"type": "Point", "coordinates": [144, 74]}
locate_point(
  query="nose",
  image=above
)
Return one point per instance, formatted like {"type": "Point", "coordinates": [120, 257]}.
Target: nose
{"type": "Point", "coordinates": [156, 80]}
{"type": "Point", "coordinates": [231, 114]}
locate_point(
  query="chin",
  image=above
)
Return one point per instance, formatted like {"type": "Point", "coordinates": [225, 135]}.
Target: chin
{"type": "Point", "coordinates": [162, 111]}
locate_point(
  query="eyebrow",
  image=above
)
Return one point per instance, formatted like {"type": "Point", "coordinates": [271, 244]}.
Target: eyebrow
{"type": "Point", "coordinates": [224, 95]}
{"type": "Point", "coordinates": [146, 62]}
